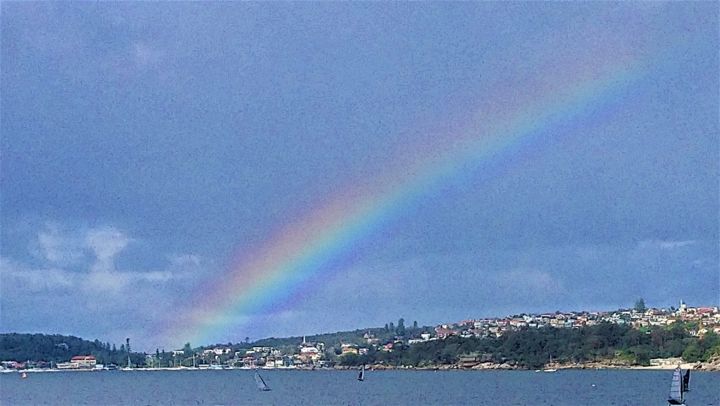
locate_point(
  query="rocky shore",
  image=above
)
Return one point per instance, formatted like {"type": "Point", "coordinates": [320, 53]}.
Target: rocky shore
{"type": "Point", "coordinates": [712, 365]}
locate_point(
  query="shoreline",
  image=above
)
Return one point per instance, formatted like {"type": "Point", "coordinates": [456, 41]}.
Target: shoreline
{"type": "Point", "coordinates": [699, 367]}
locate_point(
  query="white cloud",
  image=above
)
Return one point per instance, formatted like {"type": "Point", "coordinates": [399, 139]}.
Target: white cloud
{"type": "Point", "coordinates": [675, 244]}
{"type": "Point", "coordinates": [85, 259]}
{"type": "Point", "coordinates": [23, 279]}
{"type": "Point", "coordinates": [117, 282]}
{"type": "Point", "coordinates": [68, 275]}
{"type": "Point", "coordinates": [105, 281]}
{"type": "Point", "coordinates": [106, 242]}
{"type": "Point", "coordinates": [666, 244]}
{"type": "Point", "coordinates": [56, 247]}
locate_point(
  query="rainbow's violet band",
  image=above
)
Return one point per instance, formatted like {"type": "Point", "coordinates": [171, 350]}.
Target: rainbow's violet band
{"type": "Point", "coordinates": [268, 276]}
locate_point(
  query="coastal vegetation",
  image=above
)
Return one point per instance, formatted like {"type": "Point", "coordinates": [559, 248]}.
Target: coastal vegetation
{"type": "Point", "coordinates": [525, 348]}
{"type": "Point", "coordinates": [389, 332]}
{"type": "Point", "coordinates": [46, 348]}
{"type": "Point", "coordinates": [533, 348]}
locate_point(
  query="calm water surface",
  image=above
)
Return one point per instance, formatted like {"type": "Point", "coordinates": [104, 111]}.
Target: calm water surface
{"type": "Point", "coordinates": [237, 387]}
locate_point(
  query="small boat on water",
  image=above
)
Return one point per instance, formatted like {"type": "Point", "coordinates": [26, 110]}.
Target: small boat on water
{"type": "Point", "coordinates": [23, 375]}
{"type": "Point", "coordinates": [548, 369]}
{"type": "Point", "coordinates": [260, 382]}
{"type": "Point", "coordinates": [678, 387]}
{"type": "Point", "coordinates": [361, 375]}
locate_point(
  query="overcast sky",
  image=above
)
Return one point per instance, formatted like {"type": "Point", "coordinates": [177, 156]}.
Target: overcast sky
{"type": "Point", "coordinates": [145, 144]}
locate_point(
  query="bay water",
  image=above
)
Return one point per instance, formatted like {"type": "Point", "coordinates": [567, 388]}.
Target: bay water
{"type": "Point", "coordinates": [294, 387]}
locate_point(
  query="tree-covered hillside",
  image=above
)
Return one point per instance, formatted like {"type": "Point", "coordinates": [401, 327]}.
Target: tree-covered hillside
{"type": "Point", "coordinates": [533, 348]}
{"type": "Point", "coordinates": [60, 348]}
{"type": "Point", "coordinates": [524, 348]}
{"type": "Point", "coordinates": [388, 332]}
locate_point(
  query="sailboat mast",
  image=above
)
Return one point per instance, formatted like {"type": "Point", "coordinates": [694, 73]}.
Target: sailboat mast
{"type": "Point", "coordinates": [127, 346]}
{"type": "Point", "coordinates": [261, 382]}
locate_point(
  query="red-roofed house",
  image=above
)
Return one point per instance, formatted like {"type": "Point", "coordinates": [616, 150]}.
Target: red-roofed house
{"type": "Point", "coordinates": [84, 361]}
{"type": "Point", "coordinates": [443, 332]}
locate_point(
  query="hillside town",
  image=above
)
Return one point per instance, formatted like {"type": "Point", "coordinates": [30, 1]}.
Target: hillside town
{"type": "Point", "coordinates": [703, 319]}
{"type": "Point", "coordinates": [307, 354]}
{"type": "Point", "coordinates": [312, 354]}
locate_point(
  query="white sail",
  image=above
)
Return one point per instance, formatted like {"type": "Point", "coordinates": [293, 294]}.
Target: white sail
{"type": "Point", "coordinates": [676, 396]}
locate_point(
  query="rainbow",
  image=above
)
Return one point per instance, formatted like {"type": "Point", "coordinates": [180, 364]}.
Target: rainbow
{"type": "Point", "coordinates": [268, 276]}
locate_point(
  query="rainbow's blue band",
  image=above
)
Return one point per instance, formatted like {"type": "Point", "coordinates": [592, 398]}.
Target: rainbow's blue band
{"type": "Point", "coordinates": [299, 251]}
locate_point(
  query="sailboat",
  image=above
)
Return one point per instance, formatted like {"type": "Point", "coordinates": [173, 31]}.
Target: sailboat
{"type": "Point", "coordinates": [23, 375]}
{"type": "Point", "coordinates": [548, 369]}
{"type": "Point", "coordinates": [260, 382]}
{"type": "Point", "coordinates": [361, 375]}
{"type": "Point", "coordinates": [677, 388]}
{"type": "Point", "coordinates": [686, 381]}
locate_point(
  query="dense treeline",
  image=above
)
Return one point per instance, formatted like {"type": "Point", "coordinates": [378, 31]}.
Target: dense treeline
{"type": "Point", "coordinates": [383, 334]}
{"type": "Point", "coordinates": [533, 348]}
{"type": "Point", "coordinates": [59, 348]}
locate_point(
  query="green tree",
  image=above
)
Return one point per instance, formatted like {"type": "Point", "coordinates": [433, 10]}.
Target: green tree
{"type": "Point", "coordinates": [400, 330]}
{"type": "Point", "coordinates": [692, 353]}
{"type": "Point", "coordinates": [350, 359]}
{"type": "Point", "coordinates": [642, 355]}
{"type": "Point", "coordinates": [640, 305]}
{"type": "Point", "coordinates": [187, 350]}
{"type": "Point", "coordinates": [712, 352]}
{"type": "Point", "coordinates": [710, 345]}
